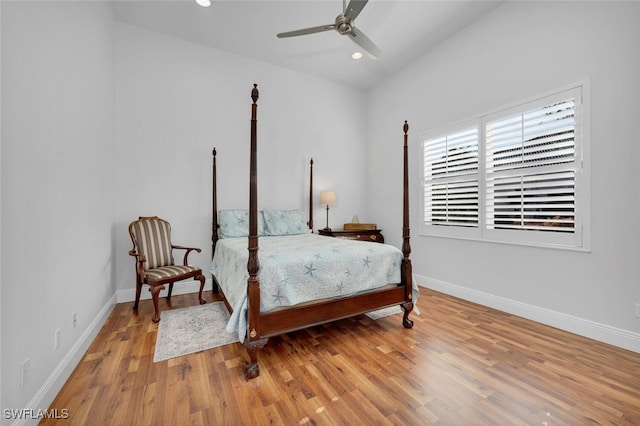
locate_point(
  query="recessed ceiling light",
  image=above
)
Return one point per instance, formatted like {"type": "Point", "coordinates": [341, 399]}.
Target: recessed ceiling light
{"type": "Point", "coordinates": [204, 3]}
{"type": "Point", "coordinates": [356, 55]}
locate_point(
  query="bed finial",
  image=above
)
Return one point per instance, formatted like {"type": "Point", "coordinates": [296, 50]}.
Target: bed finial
{"type": "Point", "coordinates": [254, 93]}
{"type": "Point", "coordinates": [405, 127]}
{"type": "Point", "coordinates": [214, 152]}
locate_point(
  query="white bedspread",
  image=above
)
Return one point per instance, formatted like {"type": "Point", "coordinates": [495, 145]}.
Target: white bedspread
{"type": "Point", "coordinates": [300, 268]}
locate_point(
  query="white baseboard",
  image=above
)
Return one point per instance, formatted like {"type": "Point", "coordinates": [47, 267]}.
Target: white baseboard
{"type": "Point", "coordinates": [181, 287]}
{"type": "Point", "coordinates": [48, 391]}
{"type": "Point", "coordinates": [604, 333]}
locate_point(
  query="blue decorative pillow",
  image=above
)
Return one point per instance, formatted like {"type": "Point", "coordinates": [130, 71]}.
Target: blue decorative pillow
{"type": "Point", "coordinates": [285, 222]}
{"type": "Point", "coordinates": [235, 223]}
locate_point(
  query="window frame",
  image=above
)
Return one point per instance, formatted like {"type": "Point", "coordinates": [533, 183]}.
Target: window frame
{"type": "Point", "coordinates": [580, 239]}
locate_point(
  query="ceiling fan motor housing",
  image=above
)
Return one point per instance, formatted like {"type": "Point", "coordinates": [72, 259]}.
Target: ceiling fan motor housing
{"type": "Point", "coordinates": [342, 26]}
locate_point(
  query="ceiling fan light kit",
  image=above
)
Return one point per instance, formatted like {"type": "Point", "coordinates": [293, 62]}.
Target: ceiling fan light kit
{"type": "Point", "coordinates": [344, 25]}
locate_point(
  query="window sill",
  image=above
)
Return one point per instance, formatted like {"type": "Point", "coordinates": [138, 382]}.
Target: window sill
{"type": "Point", "coordinates": [583, 249]}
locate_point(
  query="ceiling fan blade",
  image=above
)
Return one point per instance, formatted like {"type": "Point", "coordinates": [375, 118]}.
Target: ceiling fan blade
{"type": "Point", "coordinates": [353, 9]}
{"type": "Point", "coordinates": [306, 31]}
{"type": "Point", "coordinates": [363, 41]}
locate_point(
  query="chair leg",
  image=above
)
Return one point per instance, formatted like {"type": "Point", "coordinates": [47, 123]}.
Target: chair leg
{"type": "Point", "coordinates": [202, 280]}
{"type": "Point", "coordinates": [138, 289]}
{"type": "Point", "coordinates": [170, 291]}
{"type": "Point", "coordinates": [155, 290]}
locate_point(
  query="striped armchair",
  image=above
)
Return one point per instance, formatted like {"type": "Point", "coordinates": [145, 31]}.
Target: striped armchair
{"type": "Point", "coordinates": [153, 250]}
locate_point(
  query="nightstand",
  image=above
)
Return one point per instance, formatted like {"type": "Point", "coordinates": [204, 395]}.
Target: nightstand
{"type": "Point", "coordinates": [373, 235]}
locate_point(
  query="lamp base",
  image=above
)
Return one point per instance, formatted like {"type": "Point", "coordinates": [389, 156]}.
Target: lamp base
{"type": "Point", "coordinates": [326, 228]}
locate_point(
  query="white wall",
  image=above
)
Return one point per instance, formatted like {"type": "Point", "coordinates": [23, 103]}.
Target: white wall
{"type": "Point", "coordinates": [177, 100]}
{"type": "Point", "coordinates": [1, 405]}
{"type": "Point", "coordinates": [57, 185]}
{"type": "Point", "coordinates": [520, 50]}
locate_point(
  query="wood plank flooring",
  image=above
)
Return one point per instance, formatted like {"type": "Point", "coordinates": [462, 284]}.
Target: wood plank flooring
{"type": "Point", "coordinates": [461, 364]}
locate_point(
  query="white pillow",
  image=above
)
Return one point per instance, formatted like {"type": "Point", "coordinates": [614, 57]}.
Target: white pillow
{"type": "Point", "coordinates": [285, 222]}
{"type": "Point", "coordinates": [235, 223]}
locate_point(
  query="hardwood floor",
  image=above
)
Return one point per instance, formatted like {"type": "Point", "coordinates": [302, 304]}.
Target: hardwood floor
{"type": "Point", "coordinates": [461, 364]}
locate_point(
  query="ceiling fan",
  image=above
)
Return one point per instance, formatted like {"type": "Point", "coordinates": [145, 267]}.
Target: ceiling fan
{"type": "Point", "coordinates": [344, 25]}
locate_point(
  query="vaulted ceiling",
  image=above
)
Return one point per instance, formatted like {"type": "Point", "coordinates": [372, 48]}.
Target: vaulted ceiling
{"type": "Point", "coordinates": [403, 29]}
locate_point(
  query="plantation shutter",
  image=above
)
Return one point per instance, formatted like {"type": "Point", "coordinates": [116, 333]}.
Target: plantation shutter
{"type": "Point", "coordinates": [451, 179]}
{"type": "Point", "coordinates": [530, 172]}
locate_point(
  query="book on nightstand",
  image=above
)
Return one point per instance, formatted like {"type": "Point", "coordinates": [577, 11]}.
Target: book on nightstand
{"type": "Point", "coordinates": [359, 226]}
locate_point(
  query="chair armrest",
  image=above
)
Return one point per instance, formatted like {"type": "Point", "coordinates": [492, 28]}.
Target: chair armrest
{"type": "Point", "coordinates": [188, 250]}
{"type": "Point", "coordinates": [140, 259]}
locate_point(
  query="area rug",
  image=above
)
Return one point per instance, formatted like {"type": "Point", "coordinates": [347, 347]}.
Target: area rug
{"type": "Point", "coordinates": [384, 312]}
{"type": "Point", "coordinates": [391, 310]}
{"type": "Point", "coordinates": [193, 329]}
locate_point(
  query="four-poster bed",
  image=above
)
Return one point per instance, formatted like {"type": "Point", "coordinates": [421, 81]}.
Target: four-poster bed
{"type": "Point", "coordinates": [300, 279]}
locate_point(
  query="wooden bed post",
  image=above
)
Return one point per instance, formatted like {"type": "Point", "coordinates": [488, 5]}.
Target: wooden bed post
{"type": "Point", "coordinates": [253, 342]}
{"type": "Point", "coordinates": [214, 219]}
{"type": "Point", "coordinates": [310, 223]}
{"type": "Point", "coordinates": [406, 270]}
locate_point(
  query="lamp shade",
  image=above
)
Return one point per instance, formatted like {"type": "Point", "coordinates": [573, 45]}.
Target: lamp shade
{"type": "Point", "coordinates": [328, 198]}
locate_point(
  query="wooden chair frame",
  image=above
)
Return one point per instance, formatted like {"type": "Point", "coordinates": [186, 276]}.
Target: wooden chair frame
{"type": "Point", "coordinates": [157, 285]}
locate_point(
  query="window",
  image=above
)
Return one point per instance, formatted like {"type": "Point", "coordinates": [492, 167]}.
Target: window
{"type": "Point", "coordinates": [451, 179]}
{"type": "Point", "coordinates": [515, 175]}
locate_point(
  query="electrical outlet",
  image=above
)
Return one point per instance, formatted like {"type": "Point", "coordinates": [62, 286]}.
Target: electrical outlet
{"type": "Point", "coordinates": [75, 319]}
{"type": "Point", "coordinates": [637, 310]}
{"type": "Point", "coordinates": [56, 338]}
{"type": "Point", "coordinates": [25, 368]}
